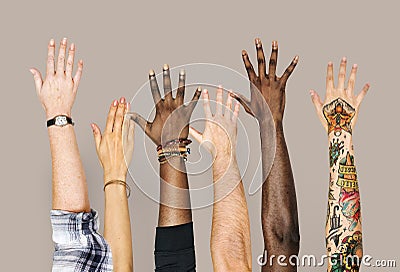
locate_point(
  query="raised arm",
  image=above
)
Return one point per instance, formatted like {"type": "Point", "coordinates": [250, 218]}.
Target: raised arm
{"type": "Point", "coordinates": [230, 236]}
{"type": "Point", "coordinates": [279, 204]}
{"type": "Point", "coordinates": [169, 131]}
{"type": "Point", "coordinates": [338, 115]}
{"type": "Point", "coordinates": [114, 149]}
{"type": "Point", "coordinates": [57, 94]}
{"type": "Point", "coordinates": [79, 247]}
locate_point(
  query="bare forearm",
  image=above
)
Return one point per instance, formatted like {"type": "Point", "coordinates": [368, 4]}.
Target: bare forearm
{"type": "Point", "coordinates": [174, 194]}
{"type": "Point", "coordinates": [70, 191]}
{"type": "Point", "coordinates": [279, 204]}
{"type": "Point", "coordinates": [230, 237]}
{"type": "Point", "coordinates": [343, 225]}
{"type": "Point", "coordinates": [119, 238]}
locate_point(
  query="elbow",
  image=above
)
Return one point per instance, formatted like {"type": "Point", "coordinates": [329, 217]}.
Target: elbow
{"type": "Point", "coordinates": [283, 235]}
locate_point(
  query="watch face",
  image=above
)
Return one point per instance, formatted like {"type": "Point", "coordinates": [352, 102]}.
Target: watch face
{"type": "Point", "coordinates": [61, 121]}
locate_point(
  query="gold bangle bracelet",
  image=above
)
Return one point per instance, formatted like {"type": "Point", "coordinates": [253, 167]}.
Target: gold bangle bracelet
{"type": "Point", "coordinates": [119, 182]}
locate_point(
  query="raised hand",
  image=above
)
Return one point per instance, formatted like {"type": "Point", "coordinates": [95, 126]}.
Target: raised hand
{"type": "Point", "coordinates": [114, 148]}
{"type": "Point", "coordinates": [220, 132]}
{"type": "Point", "coordinates": [340, 110]}
{"type": "Point", "coordinates": [58, 91]}
{"type": "Point", "coordinates": [172, 116]}
{"type": "Point", "coordinates": [230, 224]}
{"type": "Point", "coordinates": [271, 87]}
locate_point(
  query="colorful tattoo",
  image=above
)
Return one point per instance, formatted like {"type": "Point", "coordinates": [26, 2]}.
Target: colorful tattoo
{"type": "Point", "coordinates": [339, 114]}
{"type": "Point", "coordinates": [336, 149]}
{"type": "Point", "coordinates": [349, 198]}
{"type": "Point", "coordinates": [349, 258]}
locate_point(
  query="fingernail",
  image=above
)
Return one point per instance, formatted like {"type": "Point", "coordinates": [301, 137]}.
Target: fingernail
{"type": "Point", "coordinates": [330, 63]}
{"type": "Point", "coordinates": [64, 41]}
{"type": "Point", "coordinates": [122, 100]}
{"type": "Point", "coordinates": [32, 71]}
{"type": "Point", "coordinates": [151, 73]}
{"type": "Point", "coordinates": [92, 126]}
{"type": "Point", "coordinates": [182, 72]}
{"type": "Point", "coordinates": [344, 59]}
{"type": "Point", "coordinates": [72, 47]}
{"type": "Point", "coordinates": [296, 59]}
{"type": "Point", "coordinates": [258, 41]}
{"type": "Point", "coordinates": [244, 53]}
{"type": "Point", "coordinates": [52, 42]}
{"type": "Point", "coordinates": [275, 44]}
{"type": "Point", "coordinates": [165, 67]}
{"type": "Point", "coordinates": [355, 66]}
{"type": "Point", "coordinates": [115, 103]}
{"type": "Point", "coordinates": [205, 91]}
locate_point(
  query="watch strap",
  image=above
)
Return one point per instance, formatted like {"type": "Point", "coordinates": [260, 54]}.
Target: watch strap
{"type": "Point", "coordinates": [52, 122]}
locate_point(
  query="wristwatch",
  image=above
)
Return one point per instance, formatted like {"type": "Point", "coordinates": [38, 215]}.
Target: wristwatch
{"type": "Point", "coordinates": [60, 121]}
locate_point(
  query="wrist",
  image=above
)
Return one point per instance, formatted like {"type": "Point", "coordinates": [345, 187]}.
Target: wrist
{"type": "Point", "coordinates": [109, 177]}
{"type": "Point", "coordinates": [221, 165]}
{"type": "Point", "coordinates": [343, 135]}
{"type": "Point", "coordinates": [50, 114]}
{"type": "Point", "coordinates": [266, 125]}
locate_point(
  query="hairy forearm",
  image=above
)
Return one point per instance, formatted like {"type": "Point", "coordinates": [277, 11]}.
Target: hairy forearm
{"type": "Point", "coordinates": [174, 194]}
{"type": "Point", "coordinates": [343, 222]}
{"type": "Point", "coordinates": [279, 204]}
{"type": "Point", "coordinates": [119, 237]}
{"type": "Point", "coordinates": [70, 191]}
{"type": "Point", "coordinates": [230, 237]}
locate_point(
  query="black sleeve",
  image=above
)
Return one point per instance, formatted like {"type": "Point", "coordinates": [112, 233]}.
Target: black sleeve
{"type": "Point", "coordinates": [174, 249]}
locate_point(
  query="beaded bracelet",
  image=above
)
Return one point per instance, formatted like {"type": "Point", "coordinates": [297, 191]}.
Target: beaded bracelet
{"type": "Point", "coordinates": [173, 148]}
{"type": "Point", "coordinates": [119, 182]}
{"type": "Point", "coordinates": [179, 142]}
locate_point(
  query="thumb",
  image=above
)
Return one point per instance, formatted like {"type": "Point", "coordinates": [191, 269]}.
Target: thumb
{"type": "Point", "coordinates": [316, 101]}
{"type": "Point", "coordinates": [37, 78]}
{"type": "Point", "coordinates": [97, 135]}
{"type": "Point", "coordinates": [196, 134]}
{"type": "Point", "coordinates": [143, 124]}
{"type": "Point", "coordinates": [362, 94]}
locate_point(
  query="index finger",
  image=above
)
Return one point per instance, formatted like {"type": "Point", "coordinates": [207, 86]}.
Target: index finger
{"type": "Point", "coordinates": [50, 58]}
{"type": "Point", "coordinates": [155, 91]}
{"type": "Point", "coordinates": [260, 59]}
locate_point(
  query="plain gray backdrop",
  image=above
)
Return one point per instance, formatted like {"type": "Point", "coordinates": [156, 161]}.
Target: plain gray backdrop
{"type": "Point", "coordinates": [121, 40]}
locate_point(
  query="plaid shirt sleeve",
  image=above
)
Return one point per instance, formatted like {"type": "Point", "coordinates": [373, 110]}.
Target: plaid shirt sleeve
{"type": "Point", "coordinates": [78, 245]}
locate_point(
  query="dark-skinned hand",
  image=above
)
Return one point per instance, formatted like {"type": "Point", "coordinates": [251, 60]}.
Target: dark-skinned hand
{"type": "Point", "coordinates": [271, 87]}
{"type": "Point", "coordinates": [172, 116]}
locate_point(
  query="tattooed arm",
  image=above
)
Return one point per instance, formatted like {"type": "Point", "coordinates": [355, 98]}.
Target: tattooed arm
{"type": "Point", "coordinates": [338, 115]}
{"type": "Point", "coordinates": [279, 204]}
{"type": "Point", "coordinates": [230, 236]}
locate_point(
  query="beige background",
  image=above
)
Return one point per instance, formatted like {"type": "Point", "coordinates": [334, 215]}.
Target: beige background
{"type": "Point", "coordinates": [121, 40]}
